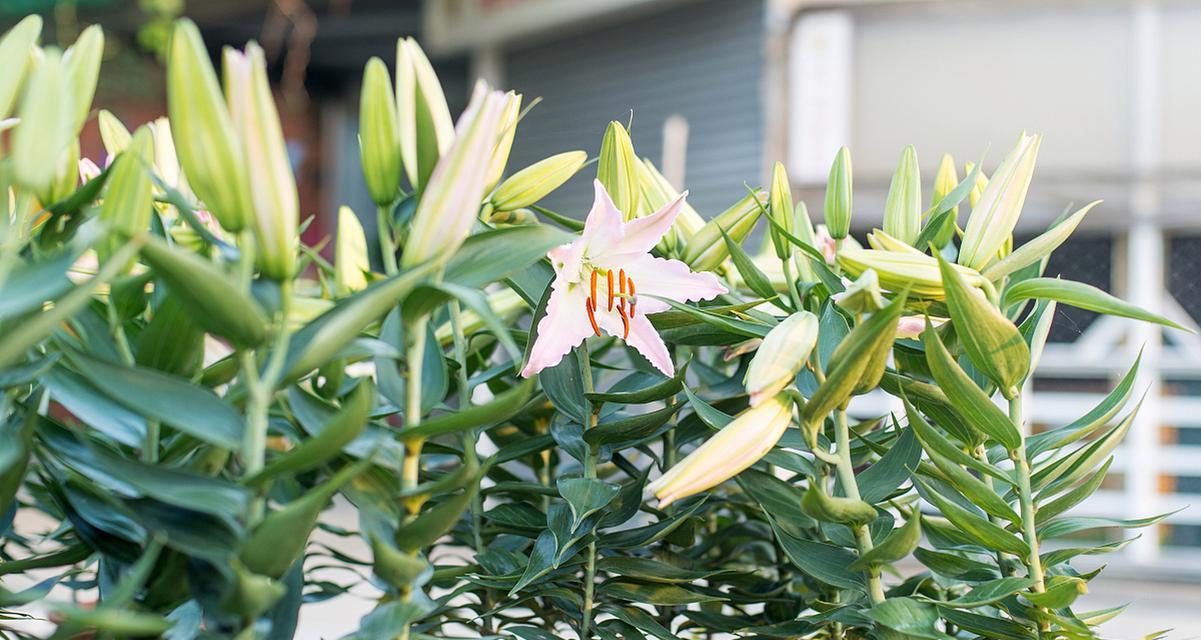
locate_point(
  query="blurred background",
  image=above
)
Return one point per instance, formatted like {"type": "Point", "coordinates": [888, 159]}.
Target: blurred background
{"type": "Point", "coordinates": [717, 90]}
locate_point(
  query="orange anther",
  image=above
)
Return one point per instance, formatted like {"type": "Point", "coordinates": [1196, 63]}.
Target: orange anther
{"type": "Point", "coordinates": [593, 296]}
{"type": "Point", "coordinates": [633, 298]}
{"type": "Point", "coordinates": [625, 321]}
{"type": "Point", "coordinates": [609, 274]}
{"type": "Point", "coordinates": [592, 315]}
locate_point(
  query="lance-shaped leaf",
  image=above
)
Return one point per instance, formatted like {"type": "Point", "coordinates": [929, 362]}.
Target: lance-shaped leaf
{"type": "Point", "coordinates": [897, 545]}
{"type": "Point", "coordinates": [586, 496]}
{"type": "Point", "coordinates": [1083, 296]}
{"type": "Point", "coordinates": [996, 213]}
{"type": "Point", "coordinates": [1039, 247]}
{"type": "Point", "coordinates": [1066, 470]}
{"type": "Point", "coordinates": [978, 528]}
{"type": "Point", "coordinates": [936, 444]}
{"type": "Point", "coordinates": [856, 365]}
{"type": "Point", "coordinates": [434, 523]}
{"type": "Point", "coordinates": [1086, 424]}
{"type": "Point", "coordinates": [1061, 591]}
{"type": "Point", "coordinates": [282, 536]}
{"type": "Point", "coordinates": [339, 431]}
{"type": "Point", "coordinates": [993, 343]}
{"type": "Point", "coordinates": [968, 399]}
{"type": "Point", "coordinates": [214, 301]}
{"type": "Point", "coordinates": [501, 408]}
{"type": "Point", "coordinates": [989, 592]}
{"type": "Point", "coordinates": [173, 342]}
{"type": "Point", "coordinates": [653, 393]}
{"type": "Point", "coordinates": [625, 432]}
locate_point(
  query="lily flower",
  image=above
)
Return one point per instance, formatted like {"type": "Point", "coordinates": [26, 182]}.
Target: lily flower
{"type": "Point", "coordinates": [608, 280]}
{"type": "Point", "coordinates": [740, 444]}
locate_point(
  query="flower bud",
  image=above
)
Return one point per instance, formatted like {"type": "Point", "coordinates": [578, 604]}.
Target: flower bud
{"type": "Point", "coordinates": [350, 254]}
{"type": "Point", "coordinates": [379, 137]}
{"type": "Point", "coordinates": [996, 212]}
{"type": "Point", "coordinates": [898, 270]}
{"type": "Point", "coordinates": [903, 208]}
{"type": "Point", "coordinates": [838, 196]}
{"type": "Point", "coordinates": [450, 202]}
{"type": "Point", "coordinates": [534, 182]}
{"type": "Point", "coordinates": [166, 160]}
{"type": "Point", "coordinates": [82, 65]}
{"type": "Point", "coordinates": [66, 176]}
{"type": "Point", "coordinates": [426, 128]}
{"type": "Point", "coordinates": [945, 180]}
{"type": "Point", "coordinates": [781, 210]}
{"type": "Point", "coordinates": [45, 129]}
{"type": "Point", "coordinates": [617, 169]}
{"type": "Point", "coordinates": [707, 249]}
{"type": "Point", "coordinates": [272, 185]}
{"type": "Point", "coordinates": [973, 196]}
{"type": "Point", "coordinates": [129, 199]}
{"type": "Point", "coordinates": [204, 135]}
{"type": "Point", "coordinates": [113, 133]}
{"type": "Point", "coordinates": [16, 49]}
{"type": "Point", "coordinates": [784, 352]}
{"type": "Point", "coordinates": [863, 296]}
{"type": "Point", "coordinates": [749, 437]}
{"type": "Point", "coordinates": [657, 192]}
{"type": "Point", "coordinates": [504, 143]}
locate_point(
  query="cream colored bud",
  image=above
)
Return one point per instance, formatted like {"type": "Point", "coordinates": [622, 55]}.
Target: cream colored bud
{"type": "Point", "coordinates": [536, 181]}
{"type": "Point", "coordinates": [426, 128]}
{"type": "Point", "coordinates": [45, 129]}
{"type": "Point", "coordinates": [351, 263]}
{"type": "Point", "coordinates": [16, 51]}
{"type": "Point", "coordinates": [506, 130]}
{"type": "Point", "coordinates": [82, 65]}
{"type": "Point", "coordinates": [996, 213]}
{"type": "Point", "coordinates": [784, 352]}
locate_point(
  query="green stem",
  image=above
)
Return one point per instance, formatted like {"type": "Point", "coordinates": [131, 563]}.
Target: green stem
{"type": "Point", "coordinates": [1026, 496]}
{"type": "Point", "coordinates": [410, 473]}
{"type": "Point", "coordinates": [846, 475]}
{"type": "Point", "coordinates": [981, 454]}
{"type": "Point", "coordinates": [387, 246]}
{"type": "Point", "coordinates": [589, 472]}
{"type": "Point", "coordinates": [260, 389]}
{"type": "Point", "coordinates": [790, 283]}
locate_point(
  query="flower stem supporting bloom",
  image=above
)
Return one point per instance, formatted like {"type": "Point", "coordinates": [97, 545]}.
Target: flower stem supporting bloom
{"type": "Point", "coordinates": [846, 475]}
{"type": "Point", "coordinates": [260, 390]}
{"type": "Point", "coordinates": [589, 472]}
{"type": "Point", "coordinates": [1029, 532]}
{"type": "Point", "coordinates": [387, 247]}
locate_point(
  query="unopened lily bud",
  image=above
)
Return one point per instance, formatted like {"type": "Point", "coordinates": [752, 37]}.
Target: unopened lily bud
{"type": "Point", "coordinates": [749, 437]}
{"type": "Point", "coordinates": [707, 249]}
{"type": "Point", "coordinates": [88, 170]}
{"type": "Point", "coordinates": [838, 196]}
{"type": "Point", "coordinates": [130, 197]}
{"type": "Point", "coordinates": [45, 129]}
{"type": "Point", "coordinates": [426, 128]}
{"type": "Point", "coordinates": [911, 327]}
{"type": "Point", "coordinates": [350, 254]}
{"type": "Point", "coordinates": [512, 218]}
{"type": "Point", "coordinates": [450, 202]}
{"type": "Point", "coordinates": [65, 178]}
{"type": "Point", "coordinates": [504, 142]}
{"type": "Point", "coordinates": [113, 133]}
{"type": "Point", "coordinates": [903, 208]}
{"type": "Point", "coordinates": [878, 239]}
{"type": "Point", "coordinates": [996, 213]}
{"type": "Point", "coordinates": [899, 270]}
{"type": "Point", "coordinates": [272, 185]}
{"type": "Point", "coordinates": [82, 65]}
{"type": "Point", "coordinates": [781, 210]}
{"type": "Point", "coordinates": [166, 160]}
{"type": "Point", "coordinates": [784, 352]}
{"type": "Point", "coordinates": [973, 196]}
{"type": "Point", "coordinates": [657, 192]}
{"type": "Point", "coordinates": [863, 296]}
{"type": "Point", "coordinates": [379, 136]}
{"type": "Point", "coordinates": [802, 227]}
{"type": "Point", "coordinates": [204, 135]}
{"type": "Point", "coordinates": [945, 180]}
{"type": "Point", "coordinates": [617, 169]}
{"type": "Point", "coordinates": [16, 49]}
{"type": "Point", "coordinates": [536, 181]}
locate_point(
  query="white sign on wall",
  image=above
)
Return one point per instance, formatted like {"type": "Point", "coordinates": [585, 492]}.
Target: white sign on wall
{"type": "Point", "coordinates": [819, 93]}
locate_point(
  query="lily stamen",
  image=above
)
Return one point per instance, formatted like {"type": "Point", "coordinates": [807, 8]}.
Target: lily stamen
{"type": "Point", "coordinates": [591, 307]}
{"type": "Point", "coordinates": [593, 296]}
{"type": "Point", "coordinates": [633, 298]}
{"type": "Point", "coordinates": [625, 320]}
{"type": "Point", "coordinates": [609, 275]}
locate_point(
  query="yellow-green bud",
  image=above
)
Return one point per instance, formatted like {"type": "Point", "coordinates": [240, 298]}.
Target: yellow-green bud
{"type": "Point", "coordinates": [16, 48]}
{"type": "Point", "coordinates": [272, 185]}
{"type": "Point", "coordinates": [784, 352]}
{"type": "Point", "coordinates": [130, 197]}
{"type": "Point", "coordinates": [45, 129]}
{"type": "Point", "coordinates": [204, 135]}
{"type": "Point", "coordinates": [617, 169]}
{"type": "Point", "coordinates": [350, 254]}
{"type": "Point", "coordinates": [781, 210]}
{"type": "Point", "coordinates": [996, 213]}
{"type": "Point", "coordinates": [426, 128]}
{"type": "Point", "coordinates": [534, 182]}
{"type": "Point", "coordinates": [113, 133]}
{"type": "Point", "coordinates": [657, 192]}
{"type": "Point", "coordinates": [379, 137]}
{"type": "Point", "coordinates": [82, 65]}
{"type": "Point", "coordinates": [65, 178]}
{"type": "Point", "coordinates": [903, 208]}
{"type": "Point", "coordinates": [706, 249]}
{"type": "Point", "coordinates": [973, 196]}
{"type": "Point", "coordinates": [945, 180]}
{"type": "Point", "coordinates": [504, 143]}
{"type": "Point", "coordinates": [863, 296]}
{"type": "Point", "coordinates": [451, 200]}
{"type": "Point", "coordinates": [838, 196]}
{"type": "Point", "coordinates": [898, 270]}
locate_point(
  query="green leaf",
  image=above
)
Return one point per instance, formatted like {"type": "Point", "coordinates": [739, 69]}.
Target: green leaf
{"type": "Point", "coordinates": [954, 566]}
{"type": "Point", "coordinates": [883, 477]}
{"type": "Point", "coordinates": [910, 617]}
{"type": "Point", "coordinates": [1038, 248]}
{"type": "Point", "coordinates": [93, 408]}
{"type": "Point", "coordinates": [781, 501]}
{"type": "Point", "coordinates": [111, 620]}
{"type": "Point", "coordinates": [542, 560]}
{"type": "Point", "coordinates": [987, 626]}
{"type": "Point", "coordinates": [968, 399]}
{"type": "Point", "coordinates": [1072, 498]}
{"type": "Point", "coordinates": [434, 523]}
{"type": "Point", "coordinates": [1068, 526]}
{"type": "Point", "coordinates": [338, 432]}
{"type": "Point", "coordinates": [586, 496]}
{"type": "Point", "coordinates": [826, 562]}
{"type": "Point", "coordinates": [755, 279]}
{"type": "Point", "coordinates": [732, 325]}
{"type": "Point", "coordinates": [495, 255]}
{"type": "Point", "coordinates": [1064, 471]}
{"type": "Point", "coordinates": [172, 342]}
{"type": "Point", "coordinates": [1061, 592]}
{"type": "Point", "coordinates": [663, 595]}
{"type": "Point", "coordinates": [1083, 296]}
{"type": "Point", "coordinates": [502, 407]}
{"type": "Point", "coordinates": [626, 432]}
{"type": "Point", "coordinates": [989, 592]}
{"type": "Point", "coordinates": [647, 570]}
{"type": "Point", "coordinates": [652, 393]}
{"type": "Point", "coordinates": [936, 444]}
{"type": "Point", "coordinates": [29, 285]}
{"type": "Point", "coordinates": [992, 342]}
{"type": "Point", "coordinates": [976, 527]}
{"type": "Point", "coordinates": [174, 401]}
{"type": "Point", "coordinates": [1086, 424]}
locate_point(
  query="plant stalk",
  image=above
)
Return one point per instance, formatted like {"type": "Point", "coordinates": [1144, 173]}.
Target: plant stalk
{"type": "Point", "coordinates": [846, 475]}
{"type": "Point", "coordinates": [1029, 532]}
{"type": "Point", "coordinates": [387, 246]}
{"type": "Point", "coordinates": [589, 472]}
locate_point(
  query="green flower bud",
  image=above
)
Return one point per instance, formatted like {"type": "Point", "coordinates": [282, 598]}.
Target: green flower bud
{"type": "Point", "coordinates": [707, 249]}
{"type": "Point", "coordinates": [426, 128]}
{"type": "Point", "coordinates": [350, 254]}
{"type": "Point", "coordinates": [657, 192]}
{"type": "Point", "coordinates": [863, 296]}
{"type": "Point", "coordinates": [838, 196]}
{"type": "Point", "coordinates": [995, 214]}
{"type": "Point", "coordinates": [45, 129]}
{"type": "Point", "coordinates": [903, 208]}
{"type": "Point", "coordinates": [379, 137]}
{"type": "Point", "coordinates": [82, 65]}
{"type": "Point", "coordinates": [781, 210]}
{"type": "Point", "coordinates": [973, 196]}
{"type": "Point", "coordinates": [784, 352]}
{"type": "Point", "coordinates": [16, 48]}
{"type": "Point", "coordinates": [945, 180]}
{"type": "Point", "coordinates": [272, 185]}
{"type": "Point", "coordinates": [618, 169]}
{"type": "Point", "coordinates": [204, 135]}
{"type": "Point", "coordinates": [534, 182]}
{"type": "Point", "coordinates": [113, 133]}
{"type": "Point", "coordinates": [65, 178]}
{"type": "Point", "coordinates": [128, 201]}
{"type": "Point", "coordinates": [506, 130]}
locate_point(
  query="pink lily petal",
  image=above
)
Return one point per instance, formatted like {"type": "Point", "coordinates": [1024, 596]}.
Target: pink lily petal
{"type": "Point", "coordinates": [646, 340]}
{"type": "Point", "coordinates": [642, 234]}
{"type": "Point", "coordinates": [666, 279]}
{"type": "Point", "coordinates": [603, 227]}
{"type": "Point", "coordinates": [564, 326]}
